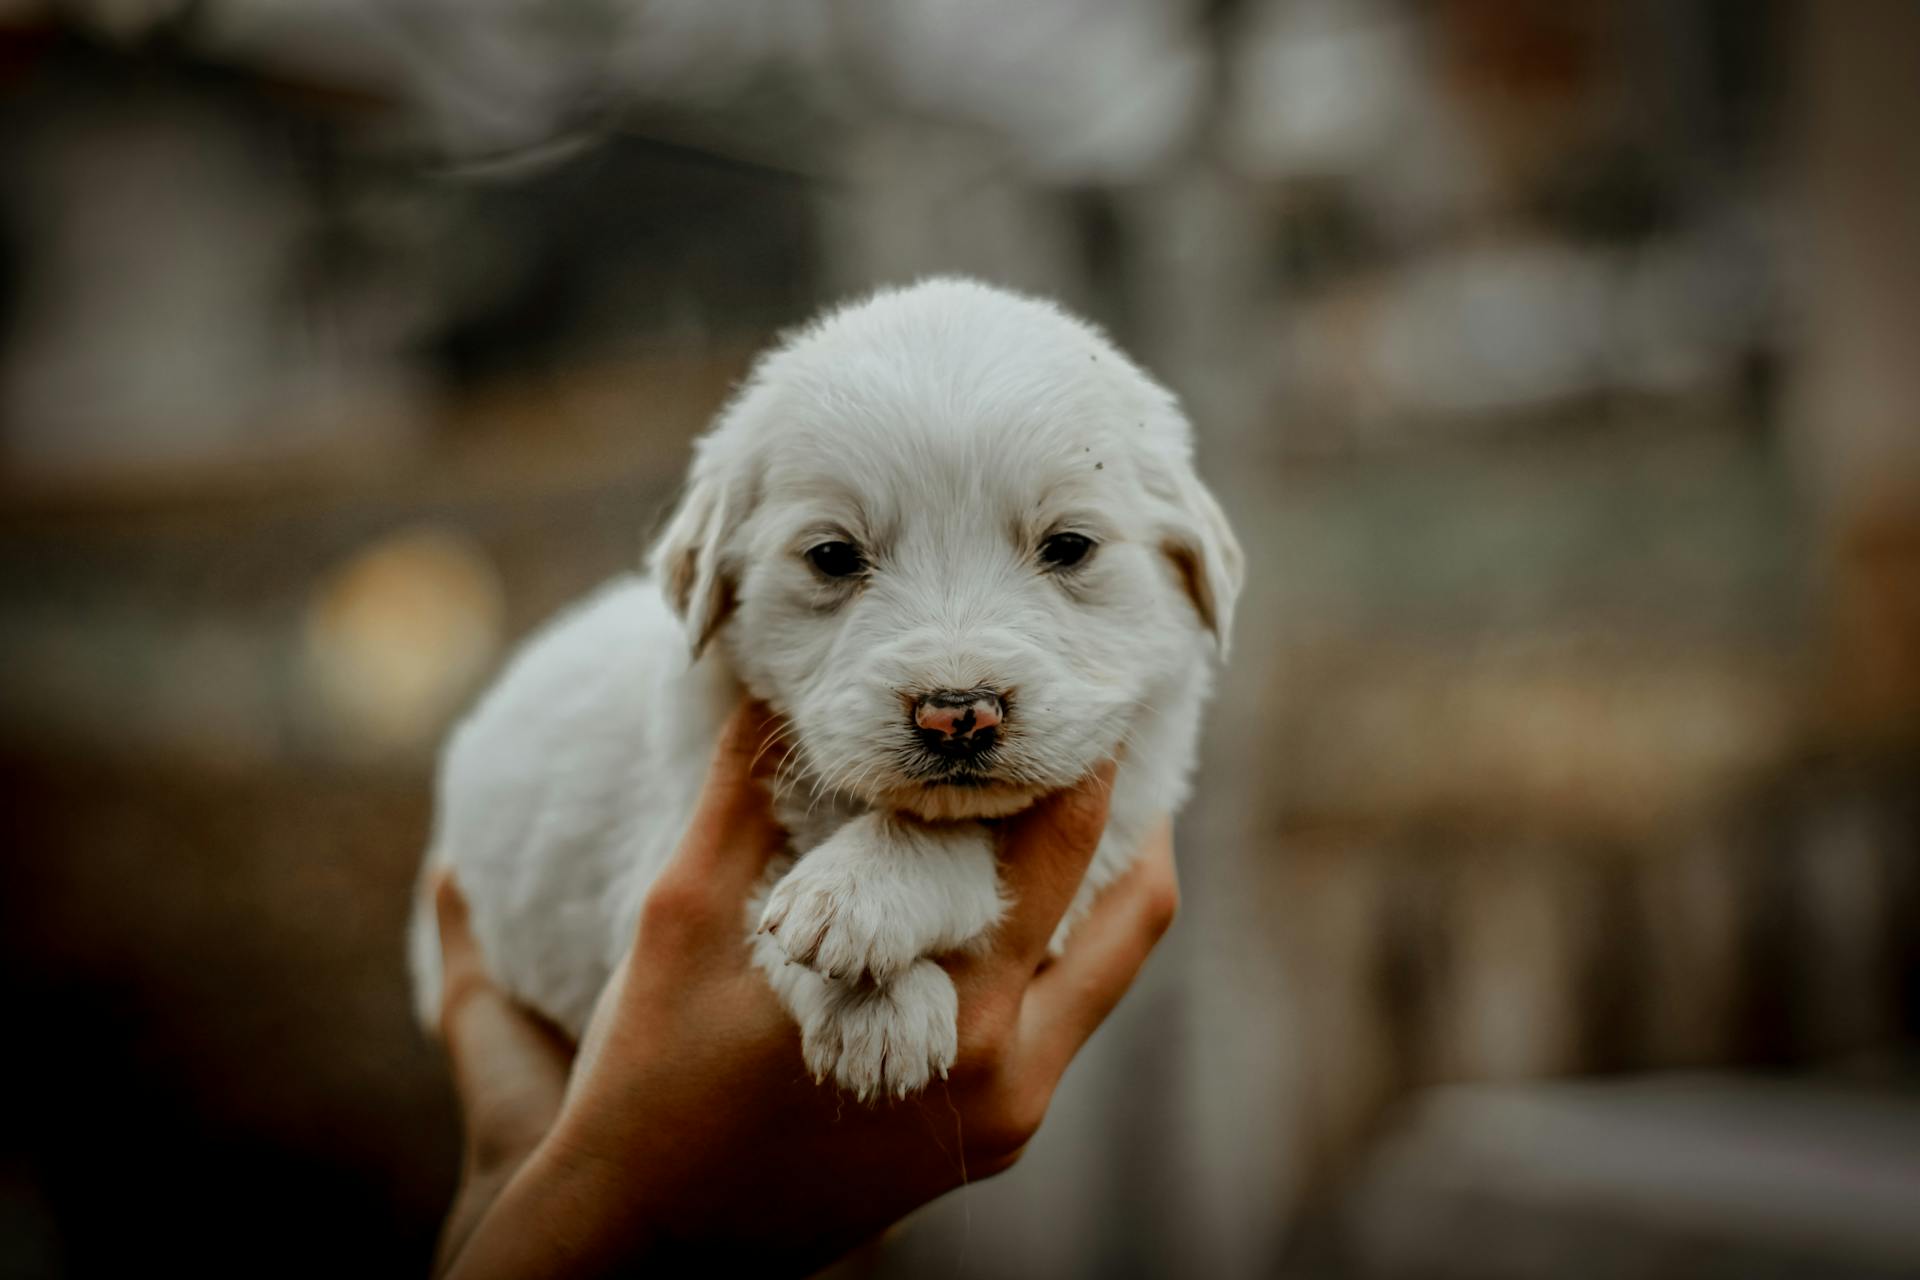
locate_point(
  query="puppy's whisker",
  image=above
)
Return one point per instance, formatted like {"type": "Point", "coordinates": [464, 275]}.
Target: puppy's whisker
{"type": "Point", "coordinates": [822, 780]}
{"type": "Point", "coordinates": [799, 770]}
{"type": "Point", "coordinates": [760, 753]}
{"type": "Point", "coordinates": [828, 786]}
{"type": "Point", "coordinates": [855, 785]}
{"type": "Point", "coordinates": [840, 781]}
{"type": "Point", "coordinates": [786, 779]}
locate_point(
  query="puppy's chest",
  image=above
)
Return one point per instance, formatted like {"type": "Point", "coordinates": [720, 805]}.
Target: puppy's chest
{"type": "Point", "coordinates": [808, 822]}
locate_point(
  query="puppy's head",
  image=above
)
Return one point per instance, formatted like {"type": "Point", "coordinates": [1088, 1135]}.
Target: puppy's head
{"type": "Point", "coordinates": [955, 537]}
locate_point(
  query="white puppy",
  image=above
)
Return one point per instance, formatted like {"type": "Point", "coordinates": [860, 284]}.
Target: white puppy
{"type": "Point", "coordinates": [955, 539]}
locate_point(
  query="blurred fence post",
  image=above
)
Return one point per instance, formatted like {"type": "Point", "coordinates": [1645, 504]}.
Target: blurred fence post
{"type": "Point", "coordinates": [1858, 411]}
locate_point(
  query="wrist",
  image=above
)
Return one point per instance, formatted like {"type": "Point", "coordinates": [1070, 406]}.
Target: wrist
{"type": "Point", "coordinates": [562, 1213]}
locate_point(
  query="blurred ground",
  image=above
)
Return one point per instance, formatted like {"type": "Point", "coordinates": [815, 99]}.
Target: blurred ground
{"type": "Point", "coordinates": [1552, 361]}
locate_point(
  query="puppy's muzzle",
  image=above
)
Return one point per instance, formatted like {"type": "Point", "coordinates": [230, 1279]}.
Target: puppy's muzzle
{"type": "Point", "coordinates": [959, 724]}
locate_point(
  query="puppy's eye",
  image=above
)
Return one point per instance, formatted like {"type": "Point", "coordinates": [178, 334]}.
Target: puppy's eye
{"type": "Point", "coordinates": [837, 559]}
{"type": "Point", "coordinates": [1064, 550]}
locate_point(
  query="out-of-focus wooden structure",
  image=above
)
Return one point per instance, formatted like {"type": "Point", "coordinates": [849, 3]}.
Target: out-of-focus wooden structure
{"type": "Point", "coordinates": [1552, 360]}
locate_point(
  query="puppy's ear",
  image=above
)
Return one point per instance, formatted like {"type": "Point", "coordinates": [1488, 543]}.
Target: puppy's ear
{"type": "Point", "coordinates": [1205, 554]}
{"type": "Point", "coordinates": [689, 557]}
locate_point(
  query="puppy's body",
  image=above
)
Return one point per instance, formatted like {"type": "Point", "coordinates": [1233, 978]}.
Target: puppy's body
{"type": "Point", "coordinates": [566, 789]}
{"type": "Point", "coordinates": [943, 497]}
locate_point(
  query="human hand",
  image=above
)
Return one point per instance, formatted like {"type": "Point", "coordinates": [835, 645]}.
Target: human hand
{"type": "Point", "coordinates": [687, 1127]}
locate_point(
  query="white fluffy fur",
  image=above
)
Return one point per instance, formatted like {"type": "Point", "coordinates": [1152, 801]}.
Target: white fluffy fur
{"type": "Point", "coordinates": [946, 429]}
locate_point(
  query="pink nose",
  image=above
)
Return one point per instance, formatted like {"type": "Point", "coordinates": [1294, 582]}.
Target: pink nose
{"type": "Point", "coordinates": [959, 717]}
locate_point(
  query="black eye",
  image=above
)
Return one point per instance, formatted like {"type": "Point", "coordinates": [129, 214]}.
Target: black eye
{"type": "Point", "coordinates": [1064, 550]}
{"type": "Point", "coordinates": [837, 559]}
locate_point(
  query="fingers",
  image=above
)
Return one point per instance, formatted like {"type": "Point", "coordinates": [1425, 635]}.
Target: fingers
{"type": "Point", "coordinates": [462, 972]}
{"type": "Point", "coordinates": [1072, 996]}
{"type": "Point", "coordinates": [461, 968]}
{"type": "Point", "coordinates": [733, 833]}
{"type": "Point", "coordinates": [509, 1067]}
{"type": "Point", "coordinates": [694, 910]}
{"type": "Point", "coordinates": [1043, 857]}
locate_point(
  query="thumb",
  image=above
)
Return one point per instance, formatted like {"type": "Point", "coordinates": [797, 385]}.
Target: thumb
{"type": "Point", "coordinates": [733, 833]}
{"type": "Point", "coordinates": [1044, 857]}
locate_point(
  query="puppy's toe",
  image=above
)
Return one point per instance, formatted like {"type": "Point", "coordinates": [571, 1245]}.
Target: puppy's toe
{"type": "Point", "coordinates": [833, 929]}
{"type": "Point", "coordinates": [892, 1040]}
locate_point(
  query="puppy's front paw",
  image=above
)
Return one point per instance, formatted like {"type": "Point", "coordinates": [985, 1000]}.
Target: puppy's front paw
{"type": "Point", "coordinates": [878, 895]}
{"type": "Point", "coordinates": [876, 1040]}
{"type": "Point", "coordinates": [822, 918]}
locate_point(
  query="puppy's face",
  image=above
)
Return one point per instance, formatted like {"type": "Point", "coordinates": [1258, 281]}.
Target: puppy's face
{"type": "Point", "coordinates": [954, 537]}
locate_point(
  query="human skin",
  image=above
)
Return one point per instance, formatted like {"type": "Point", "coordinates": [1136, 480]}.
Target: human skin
{"type": "Point", "coordinates": [686, 1129]}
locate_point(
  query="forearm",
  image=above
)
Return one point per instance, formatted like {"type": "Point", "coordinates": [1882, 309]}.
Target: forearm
{"type": "Point", "coordinates": [558, 1216]}
{"type": "Point", "coordinates": [476, 1195]}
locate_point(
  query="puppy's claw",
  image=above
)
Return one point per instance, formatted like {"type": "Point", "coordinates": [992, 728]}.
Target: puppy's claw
{"type": "Point", "coordinates": [837, 937]}
{"type": "Point", "coordinates": [883, 1041]}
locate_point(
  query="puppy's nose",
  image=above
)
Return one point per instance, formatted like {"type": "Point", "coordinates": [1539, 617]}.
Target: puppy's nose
{"type": "Point", "coordinates": [959, 722]}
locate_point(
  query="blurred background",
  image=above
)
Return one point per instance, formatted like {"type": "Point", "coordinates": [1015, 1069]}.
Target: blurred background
{"type": "Point", "coordinates": [1552, 880]}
